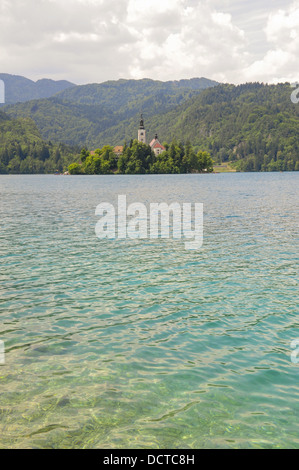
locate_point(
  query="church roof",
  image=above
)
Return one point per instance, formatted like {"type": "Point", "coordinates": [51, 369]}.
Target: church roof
{"type": "Point", "coordinates": [155, 144]}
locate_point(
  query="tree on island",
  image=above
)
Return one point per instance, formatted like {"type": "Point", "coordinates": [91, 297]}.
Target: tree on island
{"type": "Point", "coordinates": [138, 158]}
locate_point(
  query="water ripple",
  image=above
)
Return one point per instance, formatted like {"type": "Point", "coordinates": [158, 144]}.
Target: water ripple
{"type": "Point", "coordinates": [143, 344]}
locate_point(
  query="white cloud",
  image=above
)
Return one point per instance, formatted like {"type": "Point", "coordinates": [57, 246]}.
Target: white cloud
{"type": "Point", "coordinates": [282, 23]}
{"type": "Point", "coordinates": [280, 63]}
{"type": "Point", "coordinates": [177, 40]}
{"type": "Point", "coordinates": [97, 40]}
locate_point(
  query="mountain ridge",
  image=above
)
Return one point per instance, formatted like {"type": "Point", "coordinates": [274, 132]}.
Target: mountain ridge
{"type": "Point", "coordinates": [254, 125]}
{"type": "Point", "coordinates": [19, 89]}
{"type": "Point", "coordinates": [78, 115]}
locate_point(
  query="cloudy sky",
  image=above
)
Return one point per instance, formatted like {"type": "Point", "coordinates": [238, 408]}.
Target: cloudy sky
{"type": "Point", "coordinates": [88, 41]}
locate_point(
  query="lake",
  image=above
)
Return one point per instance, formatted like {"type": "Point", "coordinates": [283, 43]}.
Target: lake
{"type": "Point", "coordinates": [142, 343]}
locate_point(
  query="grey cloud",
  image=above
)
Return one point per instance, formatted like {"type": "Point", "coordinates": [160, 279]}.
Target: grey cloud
{"type": "Point", "coordinates": [97, 40]}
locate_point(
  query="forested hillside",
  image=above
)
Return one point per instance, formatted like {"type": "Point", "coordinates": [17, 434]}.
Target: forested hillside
{"type": "Point", "coordinates": [64, 121]}
{"type": "Point", "coordinates": [255, 126]}
{"type": "Point", "coordinates": [22, 150]}
{"type": "Point", "coordinates": [128, 97]}
{"type": "Point", "coordinates": [84, 115]}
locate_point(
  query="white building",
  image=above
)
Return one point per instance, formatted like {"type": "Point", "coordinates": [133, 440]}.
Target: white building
{"type": "Point", "coordinates": [141, 132]}
{"type": "Point", "coordinates": [155, 144]}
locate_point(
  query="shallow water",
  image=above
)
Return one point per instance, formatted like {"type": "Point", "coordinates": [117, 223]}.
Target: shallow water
{"type": "Point", "coordinates": [142, 343]}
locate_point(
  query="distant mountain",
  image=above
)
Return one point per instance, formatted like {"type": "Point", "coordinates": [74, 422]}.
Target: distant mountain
{"type": "Point", "coordinates": [128, 97]}
{"type": "Point", "coordinates": [19, 89]}
{"type": "Point", "coordinates": [254, 125]}
{"type": "Point", "coordinates": [79, 115]}
{"type": "Point", "coordinates": [63, 121]}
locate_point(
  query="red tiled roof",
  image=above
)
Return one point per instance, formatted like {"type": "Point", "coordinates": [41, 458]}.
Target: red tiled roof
{"type": "Point", "coordinates": [155, 144]}
{"type": "Point", "coordinates": [158, 146]}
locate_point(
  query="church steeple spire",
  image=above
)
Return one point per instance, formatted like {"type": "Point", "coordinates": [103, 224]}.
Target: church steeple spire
{"type": "Point", "coordinates": [141, 131]}
{"type": "Point", "coordinates": [141, 126]}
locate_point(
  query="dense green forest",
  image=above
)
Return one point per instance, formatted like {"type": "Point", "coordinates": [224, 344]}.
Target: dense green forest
{"type": "Point", "coordinates": [98, 114]}
{"type": "Point", "coordinates": [138, 158]}
{"type": "Point", "coordinates": [128, 97]}
{"type": "Point", "coordinates": [254, 126]}
{"type": "Point", "coordinates": [22, 150]}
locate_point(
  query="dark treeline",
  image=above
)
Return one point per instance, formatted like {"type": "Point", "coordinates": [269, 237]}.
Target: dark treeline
{"type": "Point", "coordinates": [138, 158]}
{"type": "Point", "coordinates": [255, 126]}
{"type": "Point", "coordinates": [22, 149]}
{"type": "Point", "coordinates": [35, 158]}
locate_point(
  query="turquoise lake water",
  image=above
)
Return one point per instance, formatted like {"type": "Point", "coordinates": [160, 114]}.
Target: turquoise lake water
{"type": "Point", "coordinates": [142, 343]}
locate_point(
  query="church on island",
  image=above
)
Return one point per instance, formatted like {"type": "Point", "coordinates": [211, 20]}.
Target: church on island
{"type": "Point", "coordinates": [155, 144]}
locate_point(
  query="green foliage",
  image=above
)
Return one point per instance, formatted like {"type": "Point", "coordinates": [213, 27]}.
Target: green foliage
{"type": "Point", "coordinates": [91, 115]}
{"type": "Point", "coordinates": [84, 154]}
{"type": "Point", "coordinates": [102, 162]}
{"type": "Point", "coordinates": [138, 158]}
{"type": "Point", "coordinates": [75, 169]}
{"type": "Point", "coordinates": [253, 126]}
{"type": "Point", "coordinates": [124, 97]}
{"type": "Point", "coordinates": [60, 121]}
{"type": "Point", "coordinates": [22, 150]}
{"type": "Point", "coordinates": [204, 162]}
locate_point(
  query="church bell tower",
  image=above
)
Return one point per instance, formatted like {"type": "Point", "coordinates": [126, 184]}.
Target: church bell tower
{"type": "Point", "coordinates": [141, 132]}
